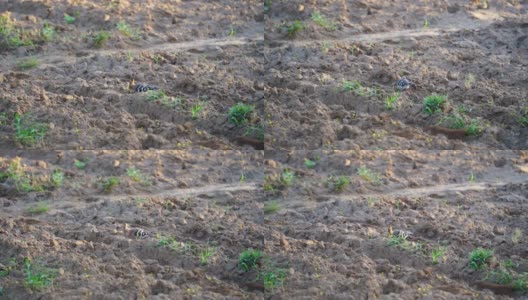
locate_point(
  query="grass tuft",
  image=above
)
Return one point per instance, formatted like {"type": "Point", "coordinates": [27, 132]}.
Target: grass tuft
{"type": "Point", "coordinates": [480, 258]}
{"type": "Point", "coordinates": [240, 113]}
{"type": "Point", "coordinates": [433, 103]}
{"type": "Point", "coordinates": [28, 63]}
{"type": "Point", "coordinates": [249, 259]}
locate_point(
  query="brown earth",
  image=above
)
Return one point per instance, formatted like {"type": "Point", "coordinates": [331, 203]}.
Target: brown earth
{"type": "Point", "coordinates": [196, 198]}
{"type": "Point", "coordinates": [81, 93]}
{"type": "Point", "coordinates": [476, 56]}
{"type": "Point", "coordinates": [335, 245]}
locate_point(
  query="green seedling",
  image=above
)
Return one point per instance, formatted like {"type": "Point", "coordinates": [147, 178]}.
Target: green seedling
{"type": "Point", "coordinates": [521, 283]}
{"type": "Point", "coordinates": [206, 254]}
{"type": "Point", "coordinates": [128, 31]}
{"type": "Point", "coordinates": [271, 207]}
{"type": "Point", "coordinates": [79, 164]}
{"type": "Point", "coordinates": [480, 258]}
{"type": "Point", "coordinates": [390, 100]}
{"type": "Point", "coordinates": [249, 259]}
{"type": "Point", "coordinates": [471, 177]}
{"type": "Point", "coordinates": [256, 131]}
{"type": "Point", "coordinates": [516, 236]}
{"type": "Point", "coordinates": [267, 5]}
{"type": "Point", "coordinates": [48, 32]}
{"type": "Point", "coordinates": [196, 110]}
{"type": "Point", "coordinates": [287, 177]}
{"type": "Point", "coordinates": [38, 208]}
{"type": "Point", "coordinates": [501, 275]}
{"type": "Point", "coordinates": [28, 63]}
{"type": "Point", "coordinates": [339, 184]}
{"type": "Point", "coordinates": [468, 82]}
{"type": "Point", "coordinates": [294, 28]}
{"type": "Point", "coordinates": [310, 164]}
{"type": "Point", "coordinates": [240, 113]}
{"type": "Point", "coordinates": [23, 181]}
{"type": "Point", "coordinates": [100, 39]}
{"type": "Point", "coordinates": [69, 19]}
{"type": "Point", "coordinates": [37, 277]}
{"type": "Point", "coordinates": [323, 21]}
{"type": "Point", "coordinates": [153, 95]}
{"type": "Point", "coordinates": [273, 278]}
{"type": "Point", "coordinates": [433, 103]}
{"type": "Point", "coordinates": [426, 23]}
{"type": "Point", "coordinates": [10, 36]}
{"type": "Point", "coordinates": [57, 178]}
{"type": "Point", "coordinates": [27, 131]}
{"type": "Point", "coordinates": [110, 184]}
{"type": "Point", "coordinates": [369, 175]}
{"type": "Point", "coordinates": [137, 176]}
{"type": "Point", "coordinates": [398, 240]}
{"type": "Point", "coordinates": [437, 253]}
{"type": "Point", "coordinates": [231, 31]}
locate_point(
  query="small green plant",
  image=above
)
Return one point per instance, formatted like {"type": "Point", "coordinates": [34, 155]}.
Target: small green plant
{"type": "Point", "coordinates": [426, 23]}
{"type": "Point", "coordinates": [339, 184]}
{"type": "Point", "coordinates": [287, 177]}
{"type": "Point", "coordinates": [79, 164]}
{"type": "Point", "coordinates": [11, 36]}
{"type": "Point", "coordinates": [323, 21]}
{"type": "Point", "coordinates": [249, 259]}
{"type": "Point", "coordinates": [100, 38]}
{"type": "Point", "coordinates": [436, 253]}
{"type": "Point", "coordinates": [231, 31]}
{"type": "Point", "coordinates": [205, 254]}
{"type": "Point", "coordinates": [293, 29]}
{"type": "Point", "coordinates": [273, 278]}
{"type": "Point", "coordinates": [69, 19]}
{"type": "Point", "coordinates": [352, 86]}
{"type": "Point", "coordinates": [27, 131]}
{"type": "Point", "coordinates": [399, 239]}
{"type": "Point", "coordinates": [468, 82]}
{"type": "Point", "coordinates": [240, 113]}
{"type": "Point", "coordinates": [521, 283]}
{"type": "Point", "coordinates": [23, 181]}
{"type": "Point", "coordinates": [48, 32]}
{"type": "Point", "coordinates": [479, 258]}
{"type": "Point", "coordinates": [390, 100]}
{"type": "Point", "coordinates": [267, 5]}
{"type": "Point", "coordinates": [369, 175]}
{"type": "Point", "coordinates": [433, 103]}
{"type": "Point", "coordinates": [474, 128]}
{"type": "Point", "coordinates": [110, 184]}
{"type": "Point", "coordinates": [28, 63]}
{"type": "Point", "coordinates": [310, 164]}
{"type": "Point", "coordinates": [501, 275]}
{"type": "Point", "coordinates": [271, 207]}
{"type": "Point", "coordinates": [38, 208]}
{"type": "Point", "coordinates": [36, 276]}
{"type": "Point", "coordinates": [516, 236]}
{"type": "Point", "coordinates": [153, 95]}
{"type": "Point", "coordinates": [196, 110]}
{"type": "Point", "coordinates": [256, 131]}
{"type": "Point", "coordinates": [137, 176]}
{"type": "Point", "coordinates": [128, 31]}
{"type": "Point", "coordinates": [57, 178]}
{"type": "Point", "coordinates": [471, 177]}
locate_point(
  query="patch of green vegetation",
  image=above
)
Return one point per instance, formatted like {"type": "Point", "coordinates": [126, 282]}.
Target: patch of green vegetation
{"type": "Point", "coordinates": [358, 88]}
{"type": "Point", "coordinates": [249, 259]}
{"type": "Point", "coordinates": [153, 95]}
{"type": "Point", "coordinates": [69, 19]}
{"type": "Point", "coordinates": [523, 119]}
{"type": "Point", "coordinates": [48, 32]}
{"type": "Point", "coordinates": [323, 21]}
{"type": "Point", "coordinates": [231, 31]}
{"type": "Point", "coordinates": [28, 63]}
{"type": "Point", "coordinates": [455, 120]}
{"type": "Point", "coordinates": [399, 239]}
{"type": "Point", "coordinates": [267, 5]}
{"type": "Point", "coordinates": [100, 38]}
{"type": "Point", "coordinates": [437, 252]}
{"type": "Point", "coordinates": [79, 164]}
{"type": "Point", "coordinates": [294, 28]}
{"type": "Point", "coordinates": [426, 23]}
{"type": "Point", "coordinates": [271, 207]}
{"type": "Point", "coordinates": [128, 31]}
{"type": "Point", "coordinates": [516, 236]}
{"type": "Point", "coordinates": [240, 113]}
{"type": "Point", "coordinates": [468, 82]}
{"type": "Point", "coordinates": [390, 100]}
{"type": "Point", "coordinates": [196, 110]}
{"type": "Point", "coordinates": [339, 184]}
{"type": "Point", "coordinates": [28, 132]}
{"type": "Point", "coordinates": [206, 253]}
{"type": "Point", "coordinates": [137, 176]}
{"type": "Point", "coordinates": [57, 178]}
{"type": "Point", "coordinates": [434, 103]}
{"type": "Point", "coordinates": [38, 277]}
{"type": "Point", "coordinates": [110, 183]}
{"type": "Point", "coordinates": [369, 175]}
{"type": "Point", "coordinates": [521, 283]}
{"type": "Point", "coordinates": [23, 181]}
{"type": "Point", "coordinates": [256, 131]}
{"type": "Point", "coordinates": [10, 36]}
{"type": "Point", "coordinates": [501, 275]}
{"type": "Point", "coordinates": [310, 164]}
{"type": "Point", "coordinates": [480, 258]}
{"type": "Point", "coordinates": [38, 208]}
{"type": "Point", "coordinates": [287, 177]}
{"type": "Point", "coordinates": [273, 278]}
